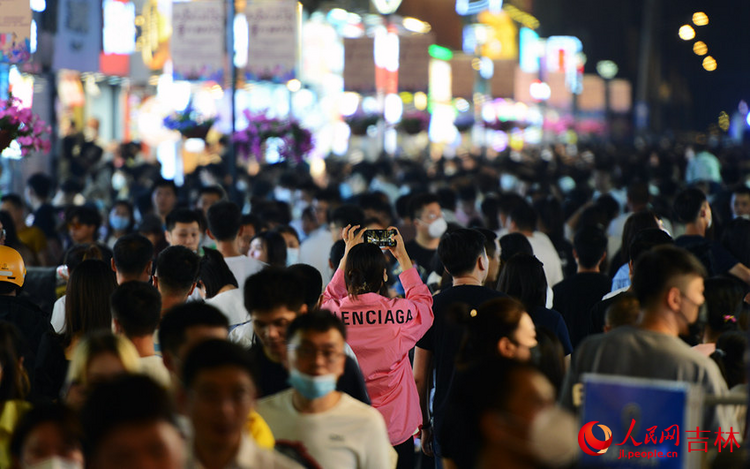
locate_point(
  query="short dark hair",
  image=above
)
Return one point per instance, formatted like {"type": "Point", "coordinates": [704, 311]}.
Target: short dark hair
{"type": "Point", "coordinates": [86, 216]}
{"type": "Point", "coordinates": [182, 215]}
{"type": "Point", "coordinates": [688, 203]}
{"type": "Point", "coordinates": [311, 281]}
{"type": "Point", "coordinates": [224, 220]}
{"type": "Point", "coordinates": [251, 219]}
{"type": "Point", "coordinates": [655, 270]}
{"type": "Point", "coordinates": [178, 320]}
{"type": "Point", "coordinates": [741, 189]}
{"type": "Point", "coordinates": [337, 253]}
{"type": "Point", "coordinates": [489, 241]}
{"type": "Point", "coordinates": [216, 353]}
{"type": "Point", "coordinates": [623, 311]}
{"type": "Point", "coordinates": [347, 215]}
{"type": "Point", "coordinates": [177, 268]}
{"type": "Point", "coordinates": [512, 244]}
{"type": "Point", "coordinates": [523, 278]}
{"type": "Point", "coordinates": [459, 249]}
{"type": "Point", "coordinates": [132, 253]}
{"type": "Point", "coordinates": [320, 320]}
{"type": "Point", "coordinates": [137, 307]}
{"type": "Point", "coordinates": [161, 182]}
{"type": "Point", "coordinates": [419, 202]}
{"type": "Point", "coordinates": [41, 184]}
{"type": "Point", "coordinates": [524, 216]}
{"type": "Point", "coordinates": [647, 239]}
{"type": "Point", "coordinates": [63, 417]}
{"type": "Point", "coordinates": [215, 190]}
{"type": "Point", "coordinates": [214, 273]}
{"type": "Point", "coordinates": [139, 400]}
{"type": "Point", "coordinates": [590, 244]}
{"type": "Point", "coordinates": [272, 288]}
{"type": "Point", "coordinates": [13, 199]}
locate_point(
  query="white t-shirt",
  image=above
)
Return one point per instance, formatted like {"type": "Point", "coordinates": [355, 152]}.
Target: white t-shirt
{"type": "Point", "coordinates": [249, 456]}
{"type": "Point", "coordinates": [232, 304]}
{"type": "Point", "coordinates": [545, 251]}
{"type": "Point", "coordinates": [242, 267]}
{"type": "Point", "coordinates": [154, 368]}
{"type": "Point", "coordinates": [350, 435]}
{"type": "Point", "coordinates": [58, 315]}
{"type": "Point", "coordinates": [316, 250]}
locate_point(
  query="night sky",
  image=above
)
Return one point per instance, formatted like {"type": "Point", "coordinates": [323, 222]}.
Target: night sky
{"type": "Point", "coordinates": [691, 98]}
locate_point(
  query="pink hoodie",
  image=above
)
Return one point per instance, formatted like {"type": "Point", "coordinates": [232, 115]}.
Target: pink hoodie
{"type": "Point", "coordinates": [381, 331]}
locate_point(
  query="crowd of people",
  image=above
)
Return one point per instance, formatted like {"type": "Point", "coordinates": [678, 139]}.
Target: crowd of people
{"type": "Point", "coordinates": [271, 328]}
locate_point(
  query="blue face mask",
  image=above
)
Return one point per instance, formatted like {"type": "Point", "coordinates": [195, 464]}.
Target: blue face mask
{"type": "Point", "coordinates": [312, 387]}
{"type": "Point", "coordinates": [117, 222]}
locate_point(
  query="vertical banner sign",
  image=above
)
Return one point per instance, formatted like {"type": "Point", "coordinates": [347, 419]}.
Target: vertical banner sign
{"type": "Point", "coordinates": [15, 29]}
{"type": "Point", "coordinates": [198, 40]}
{"type": "Point", "coordinates": [359, 65]}
{"type": "Point", "coordinates": [79, 35]}
{"type": "Point", "coordinates": [273, 42]}
{"type": "Point", "coordinates": [414, 62]}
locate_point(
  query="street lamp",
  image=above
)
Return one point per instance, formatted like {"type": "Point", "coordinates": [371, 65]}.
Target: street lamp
{"type": "Point", "coordinates": [686, 32]}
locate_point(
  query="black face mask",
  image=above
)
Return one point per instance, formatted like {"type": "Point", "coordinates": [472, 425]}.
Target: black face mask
{"type": "Point", "coordinates": [695, 330]}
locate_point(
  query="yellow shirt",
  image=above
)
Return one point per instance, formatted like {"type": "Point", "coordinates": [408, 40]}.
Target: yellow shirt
{"type": "Point", "coordinates": [34, 238]}
{"type": "Point", "coordinates": [12, 413]}
{"type": "Point", "coordinates": [257, 428]}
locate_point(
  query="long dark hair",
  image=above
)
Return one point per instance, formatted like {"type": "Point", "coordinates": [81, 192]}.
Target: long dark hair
{"type": "Point", "coordinates": [363, 272]}
{"type": "Point", "coordinates": [87, 307]}
{"type": "Point", "coordinates": [14, 382]}
{"type": "Point", "coordinates": [214, 272]}
{"type": "Point", "coordinates": [635, 223]}
{"type": "Point", "coordinates": [523, 278]}
{"type": "Point", "coordinates": [275, 247]}
{"type": "Point", "coordinates": [485, 326]}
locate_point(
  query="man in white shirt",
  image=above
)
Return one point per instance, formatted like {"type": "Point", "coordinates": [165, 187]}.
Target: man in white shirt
{"type": "Point", "coordinates": [219, 393]}
{"type": "Point", "coordinates": [136, 311]}
{"type": "Point", "coordinates": [225, 227]}
{"type": "Point", "coordinates": [522, 219]}
{"type": "Point", "coordinates": [334, 429]}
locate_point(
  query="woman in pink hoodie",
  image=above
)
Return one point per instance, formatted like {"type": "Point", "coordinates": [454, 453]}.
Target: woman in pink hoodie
{"type": "Point", "coordinates": [382, 330]}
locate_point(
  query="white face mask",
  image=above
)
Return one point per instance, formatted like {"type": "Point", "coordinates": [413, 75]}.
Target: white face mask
{"type": "Point", "coordinates": [438, 227]}
{"type": "Point", "coordinates": [56, 462]}
{"type": "Point", "coordinates": [292, 256]}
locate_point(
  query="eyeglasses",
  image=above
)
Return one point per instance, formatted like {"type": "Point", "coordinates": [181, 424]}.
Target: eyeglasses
{"type": "Point", "coordinates": [430, 217]}
{"type": "Point", "coordinates": [311, 353]}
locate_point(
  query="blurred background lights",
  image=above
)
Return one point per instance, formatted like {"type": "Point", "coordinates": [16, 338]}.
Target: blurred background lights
{"type": "Point", "coordinates": [420, 100]}
{"type": "Point", "coordinates": [294, 85]}
{"type": "Point", "coordinates": [700, 48]}
{"type": "Point", "coordinates": [724, 121]}
{"type": "Point", "coordinates": [700, 18]}
{"type": "Point", "coordinates": [686, 32]}
{"type": "Point", "coordinates": [709, 63]}
{"type": "Point", "coordinates": [607, 69]}
{"type": "Point", "coordinates": [416, 26]}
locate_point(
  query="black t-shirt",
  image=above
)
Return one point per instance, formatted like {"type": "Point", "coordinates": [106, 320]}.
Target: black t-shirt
{"type": "Point", "coordinates": [425, 260]}
{"type": "Point", "coordinates": [574, 298]}
{"type": "Point", "coordinates": [714, 257]}
{"type": "Point", "coordinates": [444, 339]}
{"type": "Point", "coordinates": [272, 377]}
{"type": "Point", "coordinates": [554, 322]}
{"type": "Point", "coordinates": [31, 322]}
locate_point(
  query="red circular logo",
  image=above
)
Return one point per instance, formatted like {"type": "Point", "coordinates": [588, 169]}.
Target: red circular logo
{"type": "Point", "coordinates": [590, 444]}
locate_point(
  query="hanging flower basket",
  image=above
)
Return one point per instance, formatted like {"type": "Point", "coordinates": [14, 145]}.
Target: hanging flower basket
{"type": "Point", "coordinates": [295, 141]}
{"type": "Point", "coordinates": [414, 122]}
{"type": "Point", "coordinates": [23, 126]}
{"type": "Point", "coordinates": [359, 123]}
{"type": "Point", "coordinates": [189, 123]}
